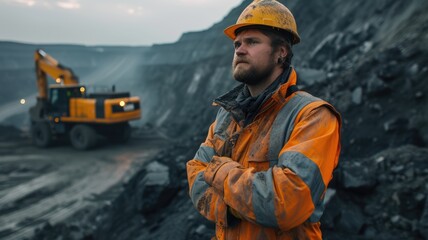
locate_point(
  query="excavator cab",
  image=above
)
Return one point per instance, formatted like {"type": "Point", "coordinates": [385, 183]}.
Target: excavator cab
{"type": "Point", "coordinates": [59, 99]}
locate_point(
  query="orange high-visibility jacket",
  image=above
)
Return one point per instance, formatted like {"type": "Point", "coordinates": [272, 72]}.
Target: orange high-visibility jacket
{"type": "Point", "coordinates": [271, 175]}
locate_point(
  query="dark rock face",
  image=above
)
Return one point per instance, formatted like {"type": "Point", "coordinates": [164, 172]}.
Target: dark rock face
{"type": "Point", "coordinates": [384, 194]}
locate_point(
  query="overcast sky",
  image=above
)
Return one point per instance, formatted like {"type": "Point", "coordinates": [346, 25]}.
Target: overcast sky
{"type": "Point", "coordinates": [107, 22]}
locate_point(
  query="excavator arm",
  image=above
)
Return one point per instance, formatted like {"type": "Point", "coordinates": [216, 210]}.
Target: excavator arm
{"type": "Point", "coordinates": [48, 66]}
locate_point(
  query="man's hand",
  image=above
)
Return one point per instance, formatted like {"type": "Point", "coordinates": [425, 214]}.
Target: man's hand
{"type": "Point", "coordinates": [217, 170]}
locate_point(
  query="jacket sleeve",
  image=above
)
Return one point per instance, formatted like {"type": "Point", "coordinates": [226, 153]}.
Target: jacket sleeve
{"type": "Point", "coordinates": [204, 197]}
{"type": "Point", "coordinates": [289, 193]}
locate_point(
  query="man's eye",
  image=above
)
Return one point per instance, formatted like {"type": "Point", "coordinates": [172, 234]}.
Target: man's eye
{"type": "Point", "coordinates": [251, 42]}
{"type": "Point", "coordinates": [237, 45]}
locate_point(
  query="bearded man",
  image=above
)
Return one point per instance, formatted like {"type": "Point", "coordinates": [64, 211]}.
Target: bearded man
{"type": "Point", "coordinates": [264, 167]}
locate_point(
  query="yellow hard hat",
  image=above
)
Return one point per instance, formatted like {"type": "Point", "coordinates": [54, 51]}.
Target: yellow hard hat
{"type": "Point", "coordinates": [266, 13]}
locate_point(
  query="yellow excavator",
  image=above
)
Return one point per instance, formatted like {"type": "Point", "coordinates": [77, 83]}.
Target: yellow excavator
{"type": "Point", "coordinates": [66, 109]}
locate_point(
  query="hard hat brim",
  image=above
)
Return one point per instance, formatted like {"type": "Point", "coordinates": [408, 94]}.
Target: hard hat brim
{"type": "Point", "coordinates": [231, 31]}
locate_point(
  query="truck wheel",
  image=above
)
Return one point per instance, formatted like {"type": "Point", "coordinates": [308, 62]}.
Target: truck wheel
{"type": "Point", "coordinates": [41, 134]}
{"type": "Point", "coordinates": [83, 137]}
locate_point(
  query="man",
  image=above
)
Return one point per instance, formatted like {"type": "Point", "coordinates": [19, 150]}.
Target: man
{"type": "Point", "coordinates": [268, 158]}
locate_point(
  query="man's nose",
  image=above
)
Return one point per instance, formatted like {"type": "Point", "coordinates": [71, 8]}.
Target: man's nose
{"type": "Point", "coordinates": [240, 50]}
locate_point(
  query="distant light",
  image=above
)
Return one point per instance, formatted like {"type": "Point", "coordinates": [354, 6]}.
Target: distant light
{"type": "Point", "coordinates": [22, 101]}
{"type": "Point", "coordinates": [122, 103]}
{"type": "Point", "coordinates": [56, 120]}
{"type": "Point", "coordinates": [58, 80]}
{"type": "Point", "coordinates": [82, 89]}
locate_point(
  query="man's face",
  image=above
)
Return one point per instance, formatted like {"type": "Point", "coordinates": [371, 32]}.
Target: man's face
{"type": "Point", "coordinates": [254, 59]}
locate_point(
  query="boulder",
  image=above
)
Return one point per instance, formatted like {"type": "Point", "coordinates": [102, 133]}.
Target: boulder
{"type": "Point", "coordinates": [377, 87]}
{"type": "Point", "coordinates": [358, 176]}
{"type": "Point", "coordinates": [156, 188]}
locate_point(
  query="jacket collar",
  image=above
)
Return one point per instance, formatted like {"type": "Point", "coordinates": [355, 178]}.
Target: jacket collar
{"type": "Point", "coordinates": [282, 93]}
{"type": "Point", "coordinates": [229, 103]}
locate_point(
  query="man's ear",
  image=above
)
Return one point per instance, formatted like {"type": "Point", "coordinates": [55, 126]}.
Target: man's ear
{"type": "Point", "coordinates": [283, 52]}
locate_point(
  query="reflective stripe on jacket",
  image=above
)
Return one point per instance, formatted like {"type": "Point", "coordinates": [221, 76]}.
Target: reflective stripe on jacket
{"type": "Point", "coordinates": [272, 182]}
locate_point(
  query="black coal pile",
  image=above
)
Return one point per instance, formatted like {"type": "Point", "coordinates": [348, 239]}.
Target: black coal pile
{"type": "Point", "coordinates": [380, 197]}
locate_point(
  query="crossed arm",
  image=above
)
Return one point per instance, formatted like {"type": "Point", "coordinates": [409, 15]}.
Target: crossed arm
{"type": "Point", "coordinates": [284, 195]}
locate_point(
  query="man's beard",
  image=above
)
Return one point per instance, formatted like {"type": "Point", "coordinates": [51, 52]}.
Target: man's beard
{"type": "Point", "coordinates": [252, 76]}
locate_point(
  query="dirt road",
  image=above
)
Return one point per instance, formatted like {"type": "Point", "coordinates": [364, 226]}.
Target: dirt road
{"type": "Point", "coordinates": [39, 186]}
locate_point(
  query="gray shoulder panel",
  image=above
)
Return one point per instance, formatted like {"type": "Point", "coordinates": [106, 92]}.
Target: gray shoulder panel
{"type": "Point", "coordinates": [223, 120]}
{"type": "Point", "coordinates": [283, 125]}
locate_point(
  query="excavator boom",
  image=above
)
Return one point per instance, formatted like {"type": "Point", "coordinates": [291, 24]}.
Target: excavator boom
{"type": "Point", "coordinates": [48, 66]}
